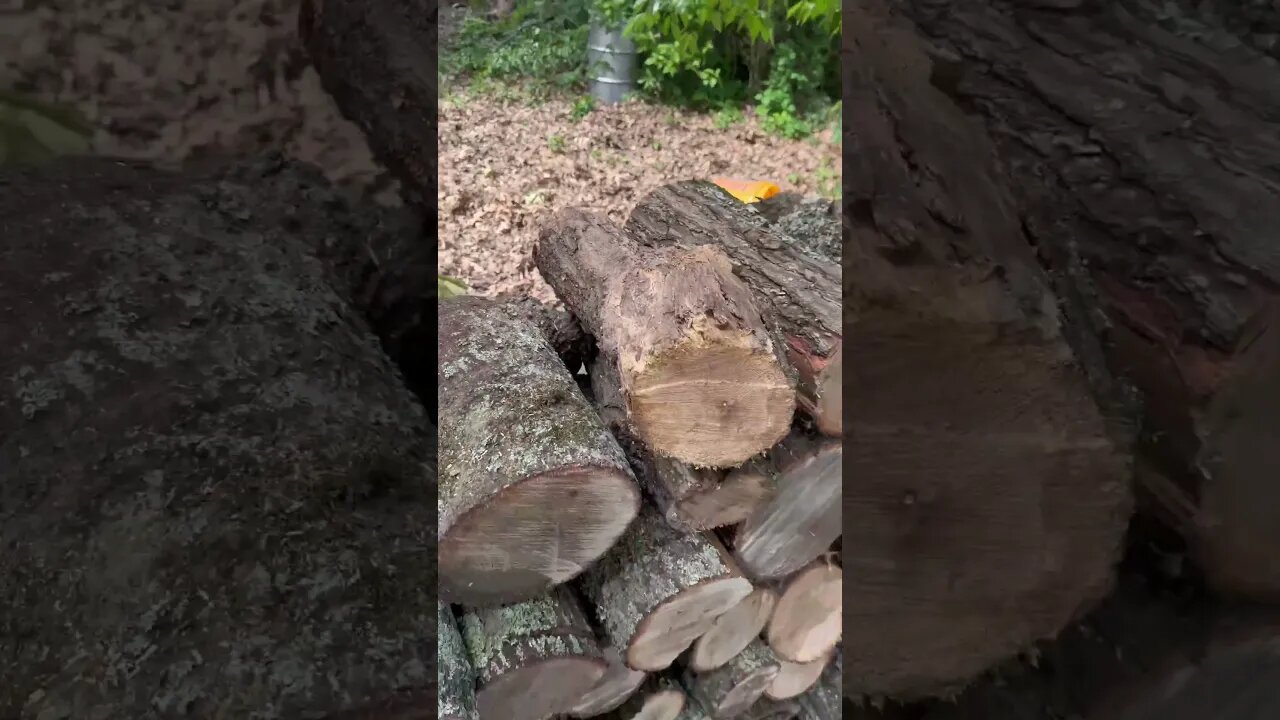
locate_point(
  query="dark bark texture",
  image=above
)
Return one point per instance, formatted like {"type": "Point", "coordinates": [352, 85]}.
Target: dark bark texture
{"type": "Point", "coordinates": [1138, 144]}
{"type": "Point", "coordinates": [215, 490]}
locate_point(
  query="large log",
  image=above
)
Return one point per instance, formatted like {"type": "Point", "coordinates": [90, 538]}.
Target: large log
{"type": "Point", "coordinates": [455, 678]}
{"type": "Point", "coordinates": [986, 474]}
{"type": "Point", "coordinates": [533, 488]}
{"type": "Point", "coordinates": [659, 589]}
{"type": "Point", "coordinates": [533, 659]}
{"type": "Point", "coordinates": [205, 451]}
{"type": "Point", "coordinates": [803, 292]}
{"type": "Point", "coordinates": [1145, 168]}
{"type": "Point", "coordinates": [703, 378]}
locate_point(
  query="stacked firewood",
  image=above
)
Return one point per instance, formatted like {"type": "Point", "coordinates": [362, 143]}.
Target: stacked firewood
{"type": "Point", "coordinates": [640, 518]}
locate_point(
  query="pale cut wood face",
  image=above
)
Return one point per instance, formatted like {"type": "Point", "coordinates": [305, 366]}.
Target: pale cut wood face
{"type": "Point", "coordinates": [733, 631]}
{"type": "Point", "coordinates": [538, 690]}
{"type": "Point", "coordinates": [795, 678]}
{"type": "Point", "coordinates": [662, 705]}
{"type": "Point", "coordinates": [807, 622]}
{"type": "Point", "coordinates": [747, 691]}
{"type": "Point", "coordinates": [672, 627]}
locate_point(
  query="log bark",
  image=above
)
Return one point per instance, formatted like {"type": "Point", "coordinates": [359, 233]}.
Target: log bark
{"type": "Point", "coordinates": [703, 379]}
{"type": "Point", "coordinates": [659, 589]}
{"type": "Point", "coordinates": [803, 517]}
{"type": "Point", "coordinates": [770, 709]}
{"type": "Point", "coordinates": [813, 223]}
{"type": "Point", "coordinates": [691, 499]}
{"type": "Point", "coordinates": [203, 442]}
{"type": "Point", "coordinates": [614, 688]}
{"type": "Point", "coordinates": [455, 678]}
{"type": "Point", "coordinates": [730, 690]}
{"type": "Point", "coordinates": [1146, 170]}
{"type": "Point", "coordinates": [1021, 499]}
{"type": "Point", "coordinates": [807, 620]}
{"type": "Point", "coordinates": [533, 487]}
{"type": "Point", "coordinates": [733, 631]}
{"type": "Point", "coordinates": [561, 329]}
{"type": "Point", "coordinates": [804, 293]}
{"type": "Point", "coordinates": [533, 659]}
{"type": "Point", "coordinates": [377, 58]}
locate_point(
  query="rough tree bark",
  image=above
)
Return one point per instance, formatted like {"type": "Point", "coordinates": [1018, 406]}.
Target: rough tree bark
{"type": "Point", "coordinates": [1144, 167]}
{"type": "Point", "coordinates": [803, 292]}
{"type": "Point", "coordinates": [205, 451]}
{"type": "Point", "coordinates": [703, 378]}
{"type": "Point", "coordinates": [534, 488]}
{"type": "Point", "coordinates": [455, 678]}
{"type": "Point", "coordinates": [731, 689]}
{"type": "Point", "coordinates": [987, 476]}
{"type": "Point", "coordinates": [560, 328]}
{"type": "Point", "coordinates": [795, 679]}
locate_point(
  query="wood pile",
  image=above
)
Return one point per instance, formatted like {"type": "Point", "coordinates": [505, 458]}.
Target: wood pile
{"type": "Point", "coordinates": [647, 529]}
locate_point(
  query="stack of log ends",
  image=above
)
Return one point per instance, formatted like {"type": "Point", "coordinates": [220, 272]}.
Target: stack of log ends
{"type": "Point", "coordinates": [533, 488]}
{"type": "Point", "coordinates": [805, 293]}
{"type": "Point", "coordinates": [455, 677]}
{"type": "Point", "coordinates": [659, 589]}
{"type": "Point", "coordinates": [614, 688]}
{"type": "Point", "coordinates": [691, 499]}
{"type": "Point", "coordinates": [808, 618]}
{"type": "Point", "coordinates": [532, 659]}
{"type": "Point", "coordinates": [730, 690]}
{"type": "Point", "coordinates": [795, 679]}
{"type": "Point", "coordinates": [704, 379]}
{"type": "Point", "coordinates": [803, 517]}
{"type": "Point", "coordinates": [733, 631]}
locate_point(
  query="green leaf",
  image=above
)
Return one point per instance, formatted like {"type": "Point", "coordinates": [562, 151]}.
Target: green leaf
{"type": "Point", "coordinates": [447, 287]}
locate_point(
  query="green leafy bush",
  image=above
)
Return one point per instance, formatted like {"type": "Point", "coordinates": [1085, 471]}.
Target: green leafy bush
{"type": "Point", "coordinates": [32, 131]}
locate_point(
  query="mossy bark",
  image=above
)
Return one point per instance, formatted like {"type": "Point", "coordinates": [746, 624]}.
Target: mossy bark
{"type": "Point", "coordinates": [502, 639]}
{"type": "Point", "coordinates": [715, 689]}
{"type": "Point", "coordinates": [215, 496]}
{"type": "Point", "coordinates": [456, 678]}
{"type": "Point", "coordinates": [825, 701]}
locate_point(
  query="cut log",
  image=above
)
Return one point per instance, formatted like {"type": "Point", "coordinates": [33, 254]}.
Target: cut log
{"type": "Point", "coordinates": [769, 709]}
{"type": "Point", "coordinates": [805, 293]}
{"type": "Point", "coordinates": [560, 328]}
{"type": "Point", "coordinates": [803, 517]}
{"type": "Point", "coordinates": [202, 442]}
{"type": "Point", "coordinates": [615, 687]}
{"type": "Point", "coordinates": [1161, 240]}
{"type": "Point", "coordinates": [534, 658]}
{"type": "Point", "coordinates": [728, 691]}
{"type": "Point", "coordinates": [704, 380]}
{"type": "Point", "coordinates": [533, 488]}
{"type": "Point", "coordinates": [733, 631]}
{"type": "Point", "coordinates": [806, 623]}
{"type": "Point", "coordinates": [986, 474]}
{"type": "Point", "coordinates": [660, 699]}
{"type": "Point", "coordinates": [659, 589]}
{"type": "Point", "coordinates": [456, 679]}
{"type": "Point", "coordinates": [795, 679]}
{"type": "Point", "coordinates": [691, 499]}
{"type": "Point", "coordinates": [823, 701]}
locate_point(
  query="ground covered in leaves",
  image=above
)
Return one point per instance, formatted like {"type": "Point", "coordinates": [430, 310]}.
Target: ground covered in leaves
{"type": "Point", "coordinates": [506, 161]}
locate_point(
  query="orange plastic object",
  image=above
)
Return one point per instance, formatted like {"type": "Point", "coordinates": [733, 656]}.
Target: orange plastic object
{"type": "Point", "coordinates": [748, 191]}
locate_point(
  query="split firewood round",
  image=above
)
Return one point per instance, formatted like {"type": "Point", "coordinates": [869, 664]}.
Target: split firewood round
{"type": "Point", "coordinates": [532, 487]}
{"type": "Point", "coordinates": [733, 631]}
{"type": "Point", "coordinates": [807, 620]}
{"type": "Point", "coordinates": [690, 498]}
{"type": "Point", "coordinates": [704, 380]}
{"type": "Point", "coordinates": [534, 658]}
{"type": "Point", "coordinates": [805, 293]}
{"type": "Point", "coordinates": [803, 517]}
{"type": "Point", "coordinates": [734, 687]}
{"type": "Point", "coordinates": [456, 678]}
{"type": "Point", "coordinates": [659, 589]}
{"type": "Point", "coordinates": [795, 679]}
{"type": "Point", "coordinates": [618, 683]}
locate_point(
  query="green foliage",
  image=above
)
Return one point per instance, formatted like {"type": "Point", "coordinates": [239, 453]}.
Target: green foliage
{"type": "Point", "coordinates": [556, 143]}
{"type": "Point", "coordinates": [727, 117]}
{"type": "Point", "coordinates": [32, 131]}
{"type": "Point", "coordinates": [541, 41]}
{"type": "Point", "coordinates": [583, 107]}
{"type": "Point", "coordinates": [447, 287]}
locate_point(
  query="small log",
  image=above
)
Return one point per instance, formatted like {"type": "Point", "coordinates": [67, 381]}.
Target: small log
{"type": "Point", "coordinates": [806, 623]}
{"type": "Point", "coordinates": [805, 293]}
{"type": "Point", "coordinates": [456, 679]}
{"type": "Point", "coordinates": [703, 378]}
{"type": "Point", "coordinates": [803, 517]}
{"type": "Point", "coordinates": [614, 688]}
{"type": "Point", "coordinates": [795, 679]}
{"type": "Point", "coordinates": [691, 499]}
{"type": "Point", "coordinates": [769, 709]}
{"type": "Point", "coordinates": [733, 631]}
{"type": "Point", "coordinates": [660, 699]}
{"type": "Point", "coordinates": [659, 589]}
{"type": "Point", "coordinates": [824, 700]}
{"type": "Point", "coordinates": [731, 689]}
{"type": "Point", "coordinates": [532, 486]}
{"type": "Point", "coordinates": [534, 658]}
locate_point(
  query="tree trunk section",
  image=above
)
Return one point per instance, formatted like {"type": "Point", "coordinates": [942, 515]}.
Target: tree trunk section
{"type": "Point", "coordinates": [1146, 170]}
{"type": "Point", "coordinates": [533, 487]}
{"type": "Point", "coordinates": [804, 293]}
{"type": "Point", "coordinates": [659, 589]}
{"type": "Point", "coordinates": [534, 658]}
{"type": "Point", "coordinates": [986, 474]}
{"type": "Point", "coordinates": [731, 689]}
{"type": "Point", "coordinates": [691, 499]}
{"type": "Point", "coordinates": [703, 378]}
{"type": "Point", "coordinates": [560, 328]}
{"type": "Point", "coordinates": [618, 683]}
{"type": "Point", "coordinates": [377, 58]}
{"type": "Point", "coordinates": [203, 441]}
{"type": "Point", "coordinates": [813, 223]}
{"type": "Point", "coordinates": [807, 620]}
{"type": "Point", "coordinates": [733, 631]}
{"type": "Point", "coordinates": [803, 517]}
{"type": "Point", "coordinates": [456, 679]}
